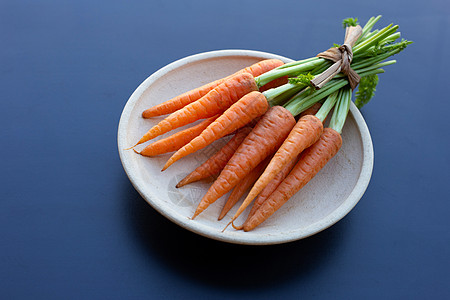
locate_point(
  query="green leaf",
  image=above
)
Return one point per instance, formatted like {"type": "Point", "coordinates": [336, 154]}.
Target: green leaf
{"type": "Point", "coordinates": [350, 22]}
{"type": "Point", "coordinates": [302, 79]}
{"type": "Point", "coordinates": [366, 90]}
{"type": "Point", "coordinates": [379, 49]}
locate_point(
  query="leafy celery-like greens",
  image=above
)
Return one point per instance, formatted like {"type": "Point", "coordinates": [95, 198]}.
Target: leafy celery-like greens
{"type": "Point", "coordinates": [302, 79]}
{"type": "Point", "coordinates": [350, 22]}
{"type": "Point", "coordinates": [366, 90]}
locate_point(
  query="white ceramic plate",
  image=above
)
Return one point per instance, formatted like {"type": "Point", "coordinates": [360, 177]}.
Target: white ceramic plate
{"type": "Point", "coordinates": [321, 203]}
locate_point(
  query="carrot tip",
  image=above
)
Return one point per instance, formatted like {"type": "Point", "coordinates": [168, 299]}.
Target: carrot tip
{"type": "Point", "coordinates": [226, 226]}
{"type": "Point", "coordinates": [236, 227]}
{"type": "Point", "coordinates": [165, 167]}
{"type": "Point", "coordinates": [132, 147]}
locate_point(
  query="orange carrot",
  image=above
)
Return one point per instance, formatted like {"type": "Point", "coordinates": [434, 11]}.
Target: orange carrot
{"type": "Point", "coordinates": [177, 140]}
{"type": "Point", "coordinates": [305, 133]}
{"type": "Point", "coordinates": [268, 190]}
{"type": "Point", "coordinates": [268, 134]}
{"type": "Point", "coordinates": [311, 161]}
{"type": "Point", "coordinates": [242, 187]}
{"type": "Point", "coordinates": [214, 102]}
{"type": "Point", "coordinates": [239, 114]}
{"type": "Point", "coordinates": [218, 161]}
{"type": "Point", "coordinates": [184, 99]}
{"type": "Point", "coordinates": [273, 184]}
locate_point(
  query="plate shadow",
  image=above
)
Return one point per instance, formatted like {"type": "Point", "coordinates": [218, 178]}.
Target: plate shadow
{"type": "Point", "coordinates": [214, 263]}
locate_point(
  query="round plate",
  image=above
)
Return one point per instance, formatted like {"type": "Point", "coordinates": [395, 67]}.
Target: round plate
{"type": "Point", "coordinates": [327, 198]}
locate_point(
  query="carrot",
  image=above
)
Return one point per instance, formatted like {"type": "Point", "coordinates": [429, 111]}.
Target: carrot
{"type": "Point", "coordinates": [218, 161]}
{"type": "Point", "coordinates": [273, 184]}
{"type": "Point", "coordinates": [268, 190]}
{"type": "Point", "coordinates": [242, 187]}
{"type": "Point", "coordinates": [180, 101]}
{"type": "Point", "coordinates": [263, 67]}
{"type": "Point", "coordinates": [305, 133]}
{"type": "Point", "coordinates": [268, 134]}
{"type": "Point", "coordinates": [177, 140]}
{"type": "Point", "coordinates": [184, 99]}
{"type": "Point", "coordinates": [239, 114]}
{"type": "Point", "coordinates": [311, 161]}
{"type": "Point", "coordinates": [214, 102]}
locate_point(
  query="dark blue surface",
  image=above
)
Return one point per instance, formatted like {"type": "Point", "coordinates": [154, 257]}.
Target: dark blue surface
{"type": "Point", "coordinates": [73, 227]}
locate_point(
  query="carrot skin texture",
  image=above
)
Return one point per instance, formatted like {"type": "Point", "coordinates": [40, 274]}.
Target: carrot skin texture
{"type": "Point", "coordinates": [238, 115]}
{"type": "Point", "coordinates": [306, 132]}
{"type": "Point", "coordinates": [271, 187]}
{"type": "Point", "coordinates": [242, 187]}
{"type": "Point", "coordinates": [180, 101]}
{"type": "Point", "coordinates": [217, 162]}
{"type": "Point", "coordinates": [311, 161]}
{"type": "Point", "coordinates": [214, 102]}
{"type": "Point", "coordinates": [177, 140]}
{"type": "Point", "coordinates": [263, 66]}
{"type": "Point", "coordinates": [186, 98]}
{"type": "Point", "coordinates": [258, 145]}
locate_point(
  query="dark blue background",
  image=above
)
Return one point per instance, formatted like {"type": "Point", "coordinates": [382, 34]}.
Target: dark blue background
{"type": "Point", "coordinates": [73, 227]}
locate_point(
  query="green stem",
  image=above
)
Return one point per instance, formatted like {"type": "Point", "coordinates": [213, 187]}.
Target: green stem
{"type": "Point", "coordinates": [368, 36]}
{"type": "Point", "coordinates": [368, 27]}
{"type": "Point", "coordinates": [296, 63]}
{"type": "Point", "coordinates": [281, 99]}
{"type": "Point", "coordinates": [376, 66]}
{"type": "Point", "coordinates": [341, 110]}
{"type": "Point", "coordinates": [391, 38]}
{"type": "Point", "coordinates": [385, 32]}
{"type": "Point", "coordinates": [373, 72]}
{"type": "Point", "coordinates": [321, 68]}
{"type": "Point", "coordinates": [368, 68]}
{"type": "Point", "coordinates": [363, 55]}
{"type": "Point", "coordinates": [361, 63]}
{"type": "Point", "coordinates": [315, 64]}
{"type": "Point", "coordinates": [281, 93]}
{"type": "Point", "coordinates": [277, 96]}
{"type": "Point", "coordinates": [305, 100]}
{"type": "Point", "coordinates": [371, 40]}
{"type": "Point", "coordinates": [289, 71]}
{"type": "Point", "coordinates": [327, 106]}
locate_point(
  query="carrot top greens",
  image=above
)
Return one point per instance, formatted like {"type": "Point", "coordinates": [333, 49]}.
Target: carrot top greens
{"type": "Point", "coordinates": [366, 90]}
{"type": "Point", "coordinates": [324, 83]}
{"type": "Point", "coordinates": [341, 109]}
{"type": "Point", "coordinates": [370, 51]}
{"type": "Point", "coordinates": [350, 22]}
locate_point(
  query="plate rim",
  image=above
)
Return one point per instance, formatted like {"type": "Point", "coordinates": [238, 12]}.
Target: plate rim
{"type": "Point", "coordinates": [314, 228]}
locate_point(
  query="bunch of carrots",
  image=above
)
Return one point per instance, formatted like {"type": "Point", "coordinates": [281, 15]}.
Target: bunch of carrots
{"type": "Point", "coordinates": [276, 117]}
